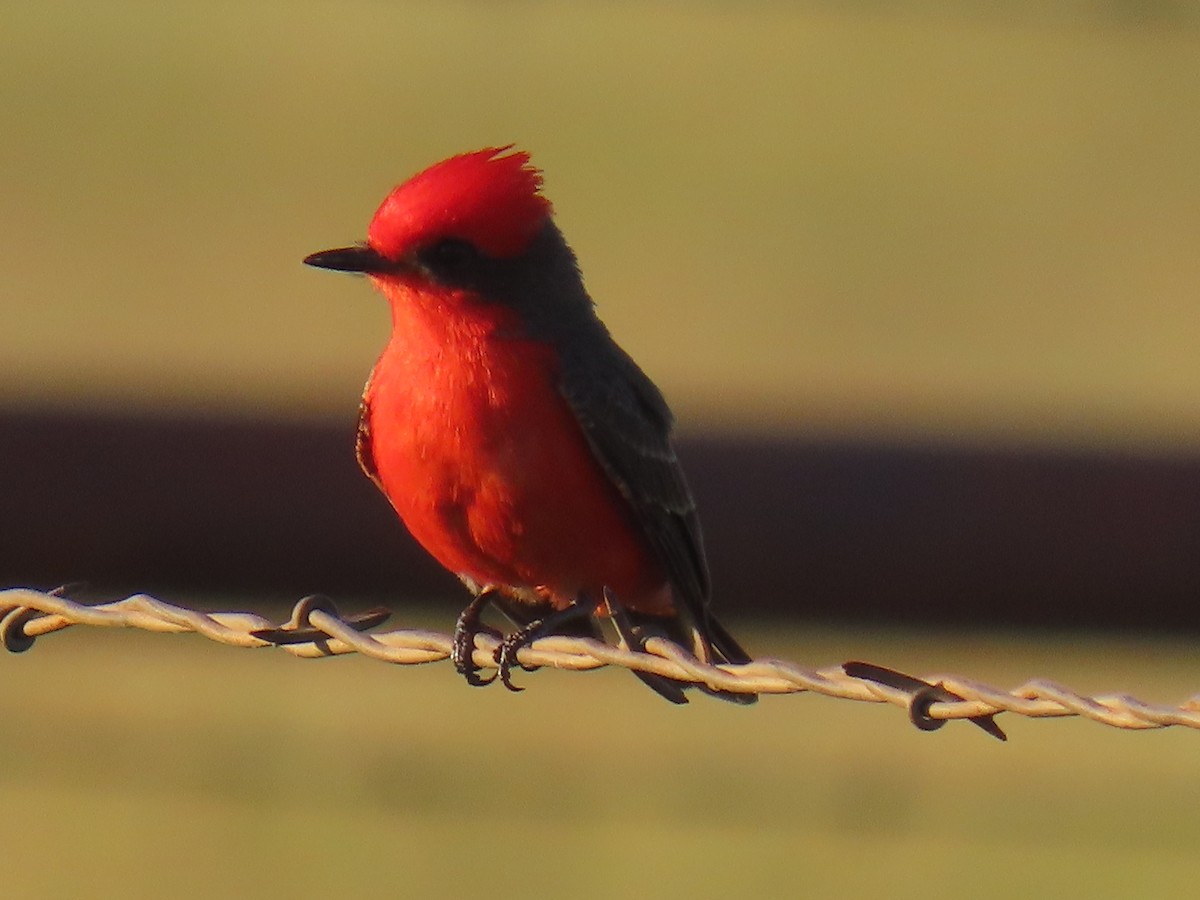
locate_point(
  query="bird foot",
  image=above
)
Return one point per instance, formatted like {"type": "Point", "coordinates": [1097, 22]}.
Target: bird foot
{"type": "Point", "coordinates": [510, 647]}
{"type": "Point", "coordinates": [462, 648]}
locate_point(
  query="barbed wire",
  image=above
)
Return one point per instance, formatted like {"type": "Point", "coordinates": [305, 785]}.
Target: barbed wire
{"type": "Point", "coordinates": [317, 630]}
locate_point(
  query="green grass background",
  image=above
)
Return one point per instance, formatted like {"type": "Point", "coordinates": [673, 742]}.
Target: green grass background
{"type": "Point", "coordinates": [932, 220]}
{"type": "Point", "coordinates": [927, 219]}
{"type": "Point", "coordinates": [139, 765]}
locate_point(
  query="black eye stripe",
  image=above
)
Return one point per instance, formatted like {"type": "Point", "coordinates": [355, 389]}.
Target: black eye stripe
{"type": "Point", "coordinates": [449, 257]}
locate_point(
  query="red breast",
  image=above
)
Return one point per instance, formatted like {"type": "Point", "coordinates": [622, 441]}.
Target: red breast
{"type": "Point", "coordinates": [485, 462]}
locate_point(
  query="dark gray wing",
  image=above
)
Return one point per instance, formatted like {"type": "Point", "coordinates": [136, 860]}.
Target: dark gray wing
{"type": "Point", "coordinates": [628, 425]}
{"type": "Point", "coordinates": [364, 449]}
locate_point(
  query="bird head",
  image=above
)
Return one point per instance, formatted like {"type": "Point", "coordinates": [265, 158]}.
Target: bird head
{"type": "Point", "coordinates": [487, 203]}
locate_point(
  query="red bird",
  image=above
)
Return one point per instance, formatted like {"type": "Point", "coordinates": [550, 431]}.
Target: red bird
{"type": "Point", "coordinates": [520, 445]}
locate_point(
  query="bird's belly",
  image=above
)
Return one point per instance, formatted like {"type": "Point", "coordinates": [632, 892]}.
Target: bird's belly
{"type": "Point", "coordinates": [493, 476]}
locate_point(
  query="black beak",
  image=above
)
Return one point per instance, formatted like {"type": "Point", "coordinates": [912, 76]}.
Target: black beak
{"type": "Point", "coordinates": [351, 259]}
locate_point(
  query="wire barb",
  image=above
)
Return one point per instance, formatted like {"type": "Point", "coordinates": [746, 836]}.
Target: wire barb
{"type": "Point", "coordinates": [922, 695]}
{"type": "Point", "coordinates": [317, 630]}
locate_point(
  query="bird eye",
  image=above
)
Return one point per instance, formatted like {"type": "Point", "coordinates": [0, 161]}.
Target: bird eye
{"type": "Point", "coordinates": [449, 257]}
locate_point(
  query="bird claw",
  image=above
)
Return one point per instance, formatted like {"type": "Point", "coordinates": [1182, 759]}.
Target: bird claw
{"type": "Point", "coordinates": [508, 653]}
{"type": "Point", "coordinates": [462, 647]}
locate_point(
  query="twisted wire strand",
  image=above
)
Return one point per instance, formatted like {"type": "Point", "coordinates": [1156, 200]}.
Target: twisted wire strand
{"type": "Point", "coordinates": [317, 630]}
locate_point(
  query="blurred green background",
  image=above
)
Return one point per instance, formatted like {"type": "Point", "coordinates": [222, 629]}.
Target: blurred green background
{"type": "Point", "coordinates": [917, 219]}
{"type": "Point", "coordinates": [936, 222]}
{"type": "Point", "coordinates": [140, 765]}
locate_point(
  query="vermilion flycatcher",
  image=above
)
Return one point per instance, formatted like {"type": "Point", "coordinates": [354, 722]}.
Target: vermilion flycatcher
{"type": "Point", "coordinates": [520, 445]}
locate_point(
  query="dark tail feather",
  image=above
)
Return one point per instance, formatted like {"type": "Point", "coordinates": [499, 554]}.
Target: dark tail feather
{"type": "Point", "coordinates": [667, 688]}
{"type": "Point", "coordinates": [727, 650]}
{"type": "Point", "coordinates": [712, 643]}
{"type": "Point", "coordinates": [722, 646]}
{"type": "Point", "coordinates": [522, 614]}
{"type": "Point", "coordinates": [725, 644]}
